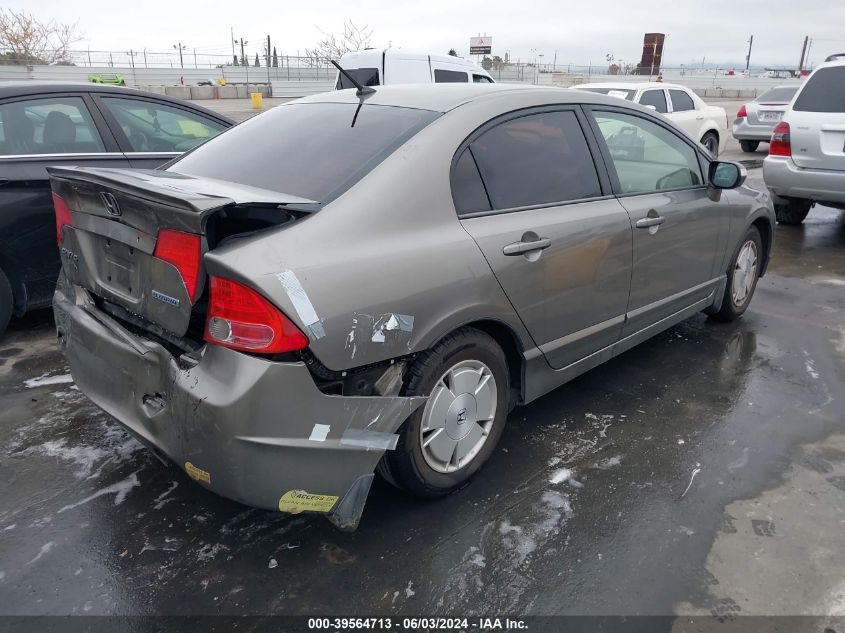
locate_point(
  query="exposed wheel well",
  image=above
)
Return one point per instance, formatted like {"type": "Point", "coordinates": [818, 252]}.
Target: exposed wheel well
{"type": "Point", "coordinates": [765, 228]}
{"type": "Point", "coordinates": [509, 343]}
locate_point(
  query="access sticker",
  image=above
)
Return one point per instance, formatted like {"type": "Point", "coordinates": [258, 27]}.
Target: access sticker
{"type": "Point", "coordinates": [197, 474]}
{"type": "Point", "coordinates": [296, 501]}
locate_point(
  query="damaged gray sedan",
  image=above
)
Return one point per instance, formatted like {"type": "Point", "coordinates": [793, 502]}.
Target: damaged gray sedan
{"type": "Point", "coordinates": [360, 282]}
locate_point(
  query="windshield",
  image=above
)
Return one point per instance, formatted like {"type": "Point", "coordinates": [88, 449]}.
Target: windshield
{"type": "Point", "coordinates": [309, 150]}
{"type": "Point", "coordinates": [778, 95]}
{"type": "Point", "coordinates": [622, 93]}
{"type": "Point", "coordinates": [364, 76]}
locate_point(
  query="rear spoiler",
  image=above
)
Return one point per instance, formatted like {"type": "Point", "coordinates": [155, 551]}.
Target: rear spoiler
{"type": "Point", "coordinates": [187, 199]}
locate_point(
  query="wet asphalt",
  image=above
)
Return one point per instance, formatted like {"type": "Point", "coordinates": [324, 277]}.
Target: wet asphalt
{"type": "Point", "coordinates": [667, 481]}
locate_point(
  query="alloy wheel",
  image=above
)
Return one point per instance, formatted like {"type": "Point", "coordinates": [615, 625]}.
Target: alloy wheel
{"type": "Point", "coordinates": [744, 274]}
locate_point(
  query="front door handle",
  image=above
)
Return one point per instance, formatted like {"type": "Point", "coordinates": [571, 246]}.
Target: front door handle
{"type": "Point", "coordinates": [647, 222]}
{"type": "Point", "coordinates": [520, 248]}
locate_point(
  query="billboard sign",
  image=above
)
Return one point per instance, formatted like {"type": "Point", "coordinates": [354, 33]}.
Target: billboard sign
{"type": "Point", "coordinates": [481, 45]}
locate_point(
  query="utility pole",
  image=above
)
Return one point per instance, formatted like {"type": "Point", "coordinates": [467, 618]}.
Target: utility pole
{"type": "Point", "coordinates": [180, 47]}
{"type": "Point", "coordinates": [195, 58]}
{"type": "Point", "coordinates": [145, 57]}
{"type": "Point", "coordinates": [748, 57]}
{"type": "Point", "coordinates": [269, 52]}
{"type": "Point", "coordinates": [232, 38]}
{"type": "Point", "coordinates": [803, 53]}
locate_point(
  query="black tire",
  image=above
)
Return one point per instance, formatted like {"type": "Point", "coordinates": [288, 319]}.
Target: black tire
{"type": "Point", "coordinates": [749, 146]}
{"type": "Point", "coordinates": [6, 298]}
{"type": "Point", "coordinates": [731, 309]}
{"type": "Point", "coordinates": [710, 140]}
{"type": "Point", "coordinates": [406, 467]}
{"type": "Point", "coordinates": [792, 212]}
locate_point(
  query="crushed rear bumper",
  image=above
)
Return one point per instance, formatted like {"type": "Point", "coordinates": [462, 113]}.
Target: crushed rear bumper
{"type": "Point", "coordinates": [252, 430]}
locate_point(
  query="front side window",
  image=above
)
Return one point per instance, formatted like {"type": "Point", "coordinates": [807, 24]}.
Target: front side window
{"type": "Point", "coordinates": [55, 125]}
{"type": "Point", "coordinates": [681, 101]}
{"type": "Point", "coordinates": [823, 92]}
{"type": "Point", "coordinates": [655, 98]}
{"type": "Point", "coordinates": [536, 159]}
{"type": "Point", "coordinates": [450, 76]}
{"type": "Point", "coordinates": [156, 127]}
{"type": "Point", "coordinates": [364, 76]}
{"type": "Point", "coordinates": [310, 150]}
{"type": "Point", "coordinates": [481, 79]}
{"type": "Point", "coordinates": [646, 156]}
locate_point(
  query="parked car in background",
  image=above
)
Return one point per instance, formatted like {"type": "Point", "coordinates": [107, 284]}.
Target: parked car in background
{"type": "Point", "coordinates": [379, 67]}
{"type": "Point", "coordinates": [107, 78]}
{"type": "Point", "coordinates": [806, 161]}
{"type": "Point", "coordinates": [465, 249]}
{"type": "Point", "coordinates": [705, 123]}
{"type": "Point", "coordinates": [756, 120]}
{"type": "Point", "coordinates": [45, 123]}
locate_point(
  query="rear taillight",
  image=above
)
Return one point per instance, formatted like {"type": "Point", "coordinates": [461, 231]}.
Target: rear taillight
{"type": "Point", "coordinates": [742, 112]}
{"type": "Point", "coordinates": [183, 250]}
{"type": "Point", "coordinates": [62, 216]}
{"type": "Point", "coordinates": [240, 318]}
{"type": "Point", "coordinates": [780, 144]}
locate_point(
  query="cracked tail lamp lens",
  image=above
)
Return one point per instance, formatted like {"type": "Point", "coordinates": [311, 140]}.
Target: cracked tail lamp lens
{"type": "Point", "coordinates": [240, 318]}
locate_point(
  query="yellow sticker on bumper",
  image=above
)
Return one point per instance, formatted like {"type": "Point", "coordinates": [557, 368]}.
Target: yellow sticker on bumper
{"type": "Point", "coordinates": [197, 474]}
{"type": "Point", "coordinates": [296, 501]}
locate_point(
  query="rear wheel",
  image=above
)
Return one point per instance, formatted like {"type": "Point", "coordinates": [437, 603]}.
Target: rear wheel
{"type": "Point", "coordinates": [742, 276]}
{"type": "Point", "coordinates": [749, 146]}
{"type": "Point", "coordinates": [711, 142]}
{"type": "Point", "coordinates": [444, 443]}
{"type": "Point", "coordinates": [792, 212]}
{"type": "Point", "coordinates": [5, 302]}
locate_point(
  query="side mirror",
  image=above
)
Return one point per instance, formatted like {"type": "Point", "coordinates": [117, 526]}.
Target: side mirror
{"type": "Point", "coordinates": [726, 175]}
{"type": "Point", "coordinates": [652, 108]}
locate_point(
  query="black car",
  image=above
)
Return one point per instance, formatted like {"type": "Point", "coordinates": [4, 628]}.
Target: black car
{"type": "Point", "coordinates": [48, 123]}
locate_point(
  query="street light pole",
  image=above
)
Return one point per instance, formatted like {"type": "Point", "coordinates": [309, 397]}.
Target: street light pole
{"type": "Point", "coordinates": [748, 57]}
{"type": "Point", "coordinates": [180, 47]}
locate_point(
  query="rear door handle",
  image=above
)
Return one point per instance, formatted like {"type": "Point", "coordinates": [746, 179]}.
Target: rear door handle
{"type": "Point", "coordinates": [645, 223]}
{"type": "Point", "coordinates": [520, 248]}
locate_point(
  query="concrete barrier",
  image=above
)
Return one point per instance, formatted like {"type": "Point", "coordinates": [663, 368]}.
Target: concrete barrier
{"type": "Point", "coordinates": [202, 92]}
{"type": "Point", "coordinates": [159, 90]}
{"type": "Point", "coordinates": [180, 92]}
{"type": "Point", "coordinates": [242, 92]}
{"type": "Point", "coordinates": [227, 92]}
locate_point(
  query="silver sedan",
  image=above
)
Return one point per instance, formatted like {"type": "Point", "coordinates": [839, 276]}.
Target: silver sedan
{"type": "Point", "coordinates": [756, 120]}
{"type": "Point", "coordinates": [372, 279]}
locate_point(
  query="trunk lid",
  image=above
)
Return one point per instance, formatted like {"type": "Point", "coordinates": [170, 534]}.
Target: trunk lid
{"type": "Point", "coordinates": [116, 219]}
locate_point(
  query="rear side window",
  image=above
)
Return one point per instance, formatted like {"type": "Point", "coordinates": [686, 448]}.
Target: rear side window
{"type": "Point", "coordinates": [656, 98]}
{"type": "Point", "coordinates": [681, 101]}
{"type": "Point", "coordinates": [778, 95]}
{"type": "Point", "coordinates": [364, 76]}
{"type": "Point", "coordinates": [450, 76]}
{"type": "Point", "coordinates": [823, 92]}
{"type": "Point", "coordinates": [52, 125]}
{"type": "Point", "coordinates": [467, 189]}
{"type": "Point", "coordinates": [310, 150]}
{"type": "Point", "coordinates": [536, 159]}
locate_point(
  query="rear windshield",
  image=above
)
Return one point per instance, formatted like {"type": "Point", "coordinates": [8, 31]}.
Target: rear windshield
{"type": "Point", "coordinates": [778, 95]}
{"type": "Point", "coordinates": [823, 92]}
{"type": "Point", "coordinates": [622, 93]}
{"type": "Point", "coordinates": [364, 76]}
{"type": "Point", "coordinates": [310, 150]}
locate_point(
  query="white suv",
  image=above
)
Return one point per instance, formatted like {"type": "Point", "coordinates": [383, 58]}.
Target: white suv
{"type": "Point", "coordinates": [806, 161]}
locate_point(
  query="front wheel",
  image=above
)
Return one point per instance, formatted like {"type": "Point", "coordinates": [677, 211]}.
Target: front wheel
{"type": "Point", "coordinates": [742, 277]}
{"type": "Point", "coordinates": [444, 443]}
{"type": "Point", "coordinates": [711, 142]}
{"type": "Point", "coordinates": [792, 212]}
{"type": "Point", "coordinates": [749, 146]}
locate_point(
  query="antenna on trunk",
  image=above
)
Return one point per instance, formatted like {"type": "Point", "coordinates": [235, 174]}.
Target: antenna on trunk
{"type": "Point", "coordinates": [362, 90]}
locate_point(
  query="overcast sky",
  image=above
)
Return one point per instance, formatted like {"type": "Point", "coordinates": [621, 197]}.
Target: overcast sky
{"type": "Point", "coordinates": [579, 31]}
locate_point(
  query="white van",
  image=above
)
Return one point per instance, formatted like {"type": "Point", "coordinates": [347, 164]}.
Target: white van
{"type": "Point", "coordinates": [377, 67]}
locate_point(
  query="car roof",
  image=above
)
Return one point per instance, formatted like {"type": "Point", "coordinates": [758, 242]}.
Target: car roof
{"type": "Point", "coordinates": [631, 85]}
{"type": "Point", "coordinates": [447, 96]}
{"type": "Point", "coordinates": [40, 87]}
{"type": "Point", "coordinates": [374, 56]}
